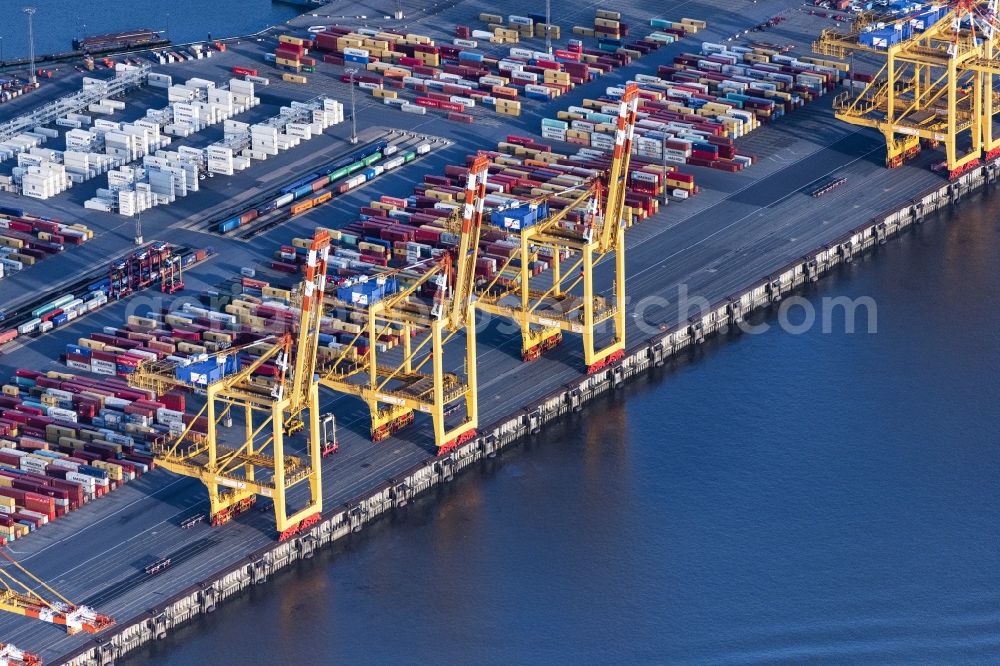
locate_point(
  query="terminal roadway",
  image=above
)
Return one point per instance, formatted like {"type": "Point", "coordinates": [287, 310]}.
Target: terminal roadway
{"type": "Point", "coordinates": [740, 228]}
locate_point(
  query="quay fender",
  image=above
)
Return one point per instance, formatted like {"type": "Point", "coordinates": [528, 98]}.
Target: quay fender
{"type": "Point", "coordinates": [954, 193]}
{"type": "Point", "coordinates": [158, 625]}
{"type": "Point", "coordinates": [356, 515]}
{"type": "Point", "coordinates": [445, 467]}
{"type": "Point", "coordinates": [697, 332]}
{"type": "Point", "coordinates": [812, 270]}
{"type": "Point", "coordinates": [488, 445]}
{"type": "Point", "coordinates": [656, 354]}
{"type": "Point", "coordinates": [575, 398]}
{"type": "Point", "coordinates": [306, 545]}
{"type": "Point", "coordinates": [206, 598]}
{"type": "Point", "coordinates": [106, 654]}
{"type": "Point", "coordinates": [881, 233]}
{"type": "Point", "coordinates": [847, 251]}
{"type": "Point", "coordinates": [917, 213]}
{"type": "Point", "coordinates": [734, 309]}
{"type": "Point", "coordinates": [773, 289]}
{"type": "Point", "coordinates": [533, 420]}
{"type": "Point", "coordinates": [400, 493]}
{"type": "Point", "coordinates": [258, 571]}
{"type": "Point", "coordinates": [617, 376]}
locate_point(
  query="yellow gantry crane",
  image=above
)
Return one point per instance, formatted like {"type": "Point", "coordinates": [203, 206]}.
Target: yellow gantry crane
{"type": "Point", "coordinates": [255, 462]}
{"type": "Point", "coordinates": [936, 83]}
{"type": "Point", "coordinates": [543, 314]}
{"type": "Point", "coordinates": [22, 598]}
{"type": "Point", "coordinates": [396, 384]}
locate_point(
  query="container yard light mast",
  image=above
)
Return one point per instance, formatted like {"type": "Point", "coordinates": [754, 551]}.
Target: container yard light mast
{"type": "Point", "coordinates": [937, 83]}
{"type": "Point", "coordinates": [138, 227]}
{"type": "Point", "coordinates": [354, 116]}
{"type": "Point", "coordinates": [548, 26]}
{"type": "Point", "coordinates": [544, 314]}
{"type": "Point", "coordinates": [30, 11]}
{"type": "Point", "coordinates": [257, 462]}
{"type": "Point", "coordinates": [395, 384]}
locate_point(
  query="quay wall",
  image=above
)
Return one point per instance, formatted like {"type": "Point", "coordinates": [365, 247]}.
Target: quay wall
{"type": "Point", "coordinates": [205, 596]}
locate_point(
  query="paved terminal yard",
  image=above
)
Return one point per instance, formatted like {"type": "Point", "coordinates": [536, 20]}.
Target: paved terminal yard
{"type": "Point", "coordinates": [738, 229]}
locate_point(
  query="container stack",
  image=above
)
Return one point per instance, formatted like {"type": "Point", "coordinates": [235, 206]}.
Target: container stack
{"type": "Point", "coordinates": [691, 112]}
{"type": "Point", "coordinates": [65, 440]}
{"type": "Point", "coordinates": [26, 240]}
{"type": "Point", "coordinates": [518, 27]}
{"type": "Point", "coordinates": [456, 79]}
{"type": "Point", "coordinates": [168, 175]}
{"type": "Point", "coordinates": [292, 54]}
{"type": "Point", "coordinates": [396, 233]}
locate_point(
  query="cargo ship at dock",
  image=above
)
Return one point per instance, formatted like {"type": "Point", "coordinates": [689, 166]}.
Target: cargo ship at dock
{"type": "Point", "coordinates": [120, 41]}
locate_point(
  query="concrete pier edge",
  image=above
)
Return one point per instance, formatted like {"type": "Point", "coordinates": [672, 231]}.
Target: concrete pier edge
{"type": "Point", "coordinates": [256, 567]}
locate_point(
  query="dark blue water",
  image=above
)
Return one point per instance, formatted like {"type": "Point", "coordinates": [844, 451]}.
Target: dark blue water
{"type": "Point", "coordinates": [58, 22]}
{"type": "Point", "coordinates": [777, 498]}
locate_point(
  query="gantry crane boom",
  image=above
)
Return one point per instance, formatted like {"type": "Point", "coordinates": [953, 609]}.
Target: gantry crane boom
{"type": "Point", "coordinates": [936, 84]}
{"type": "Point", "coordinates": [21, 598]}
{"type": "Point", "coordinates": [397, 387]}
{"type": "Point", "coordinates": [255, 463]}
{"type": "Point", "coordinates": [543, 314]}
{"type": "Point", "coordinates": [468, 247]}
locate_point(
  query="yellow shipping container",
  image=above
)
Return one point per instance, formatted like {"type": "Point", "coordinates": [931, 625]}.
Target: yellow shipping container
{"type": "Point", "coordinates": [11, 390]}
{"type": "Point", "coordinates": [294, 78]}
{"type": "Point", "coordinates": [288, 39]}
{"type": "Point", "coordinates": [7, 502]}
{"type": "Point", "coordinates": [440, 196]}
{"type": "Point", "coordinates": [287, 62]}
{"type": "Point", "coordinates": [190, 348]}
{"type": "Point", "coordinates": [508, 108]}
{"type": "Point", "coordinates": [275, 292]}
{"type": "Point", "coordinates": [371, 247]}
{"type": "Point", "coordinates": [583, 30]}
{"type": "Point", "coordinates": [349, 42]}
{"type": "Point", "coordinates": [142, 322]}
{"type": "Point", "coordinates": [491, 19]}
{"type": "Point", "coordinates": [606, 14]}
{"type": "Point", "coordinates": [219, 336]}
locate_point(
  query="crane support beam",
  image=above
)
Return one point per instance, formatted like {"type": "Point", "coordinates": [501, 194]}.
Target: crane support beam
{"type": "Point", "coordinates": [236, 469]}
{"type": "Point", "coordinates": [573, 302]}
{"type": "Point", "coordinates": [418, 382]}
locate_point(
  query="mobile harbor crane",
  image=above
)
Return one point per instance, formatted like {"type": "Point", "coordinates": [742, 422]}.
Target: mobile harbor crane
{"type": "Point", "coordinates": [23, 598]}
{"type": "Point", "coordinates": [936, 84]}
{"type": "Point", "coordinates": [395, 388]}
{"type": "Point", "coordinates": [272, 410]}
{"type": "Point", "coordinates": [543, 314]}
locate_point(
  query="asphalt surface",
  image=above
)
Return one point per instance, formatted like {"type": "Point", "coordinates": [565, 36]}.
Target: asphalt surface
{"type": "Point", "coordinates": [738, 229]}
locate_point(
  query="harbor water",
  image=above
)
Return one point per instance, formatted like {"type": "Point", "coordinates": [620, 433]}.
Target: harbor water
{"type": "Point", "coordinates": [58, 22]}
{"type": "Point", "coordinates": [775, 498]}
